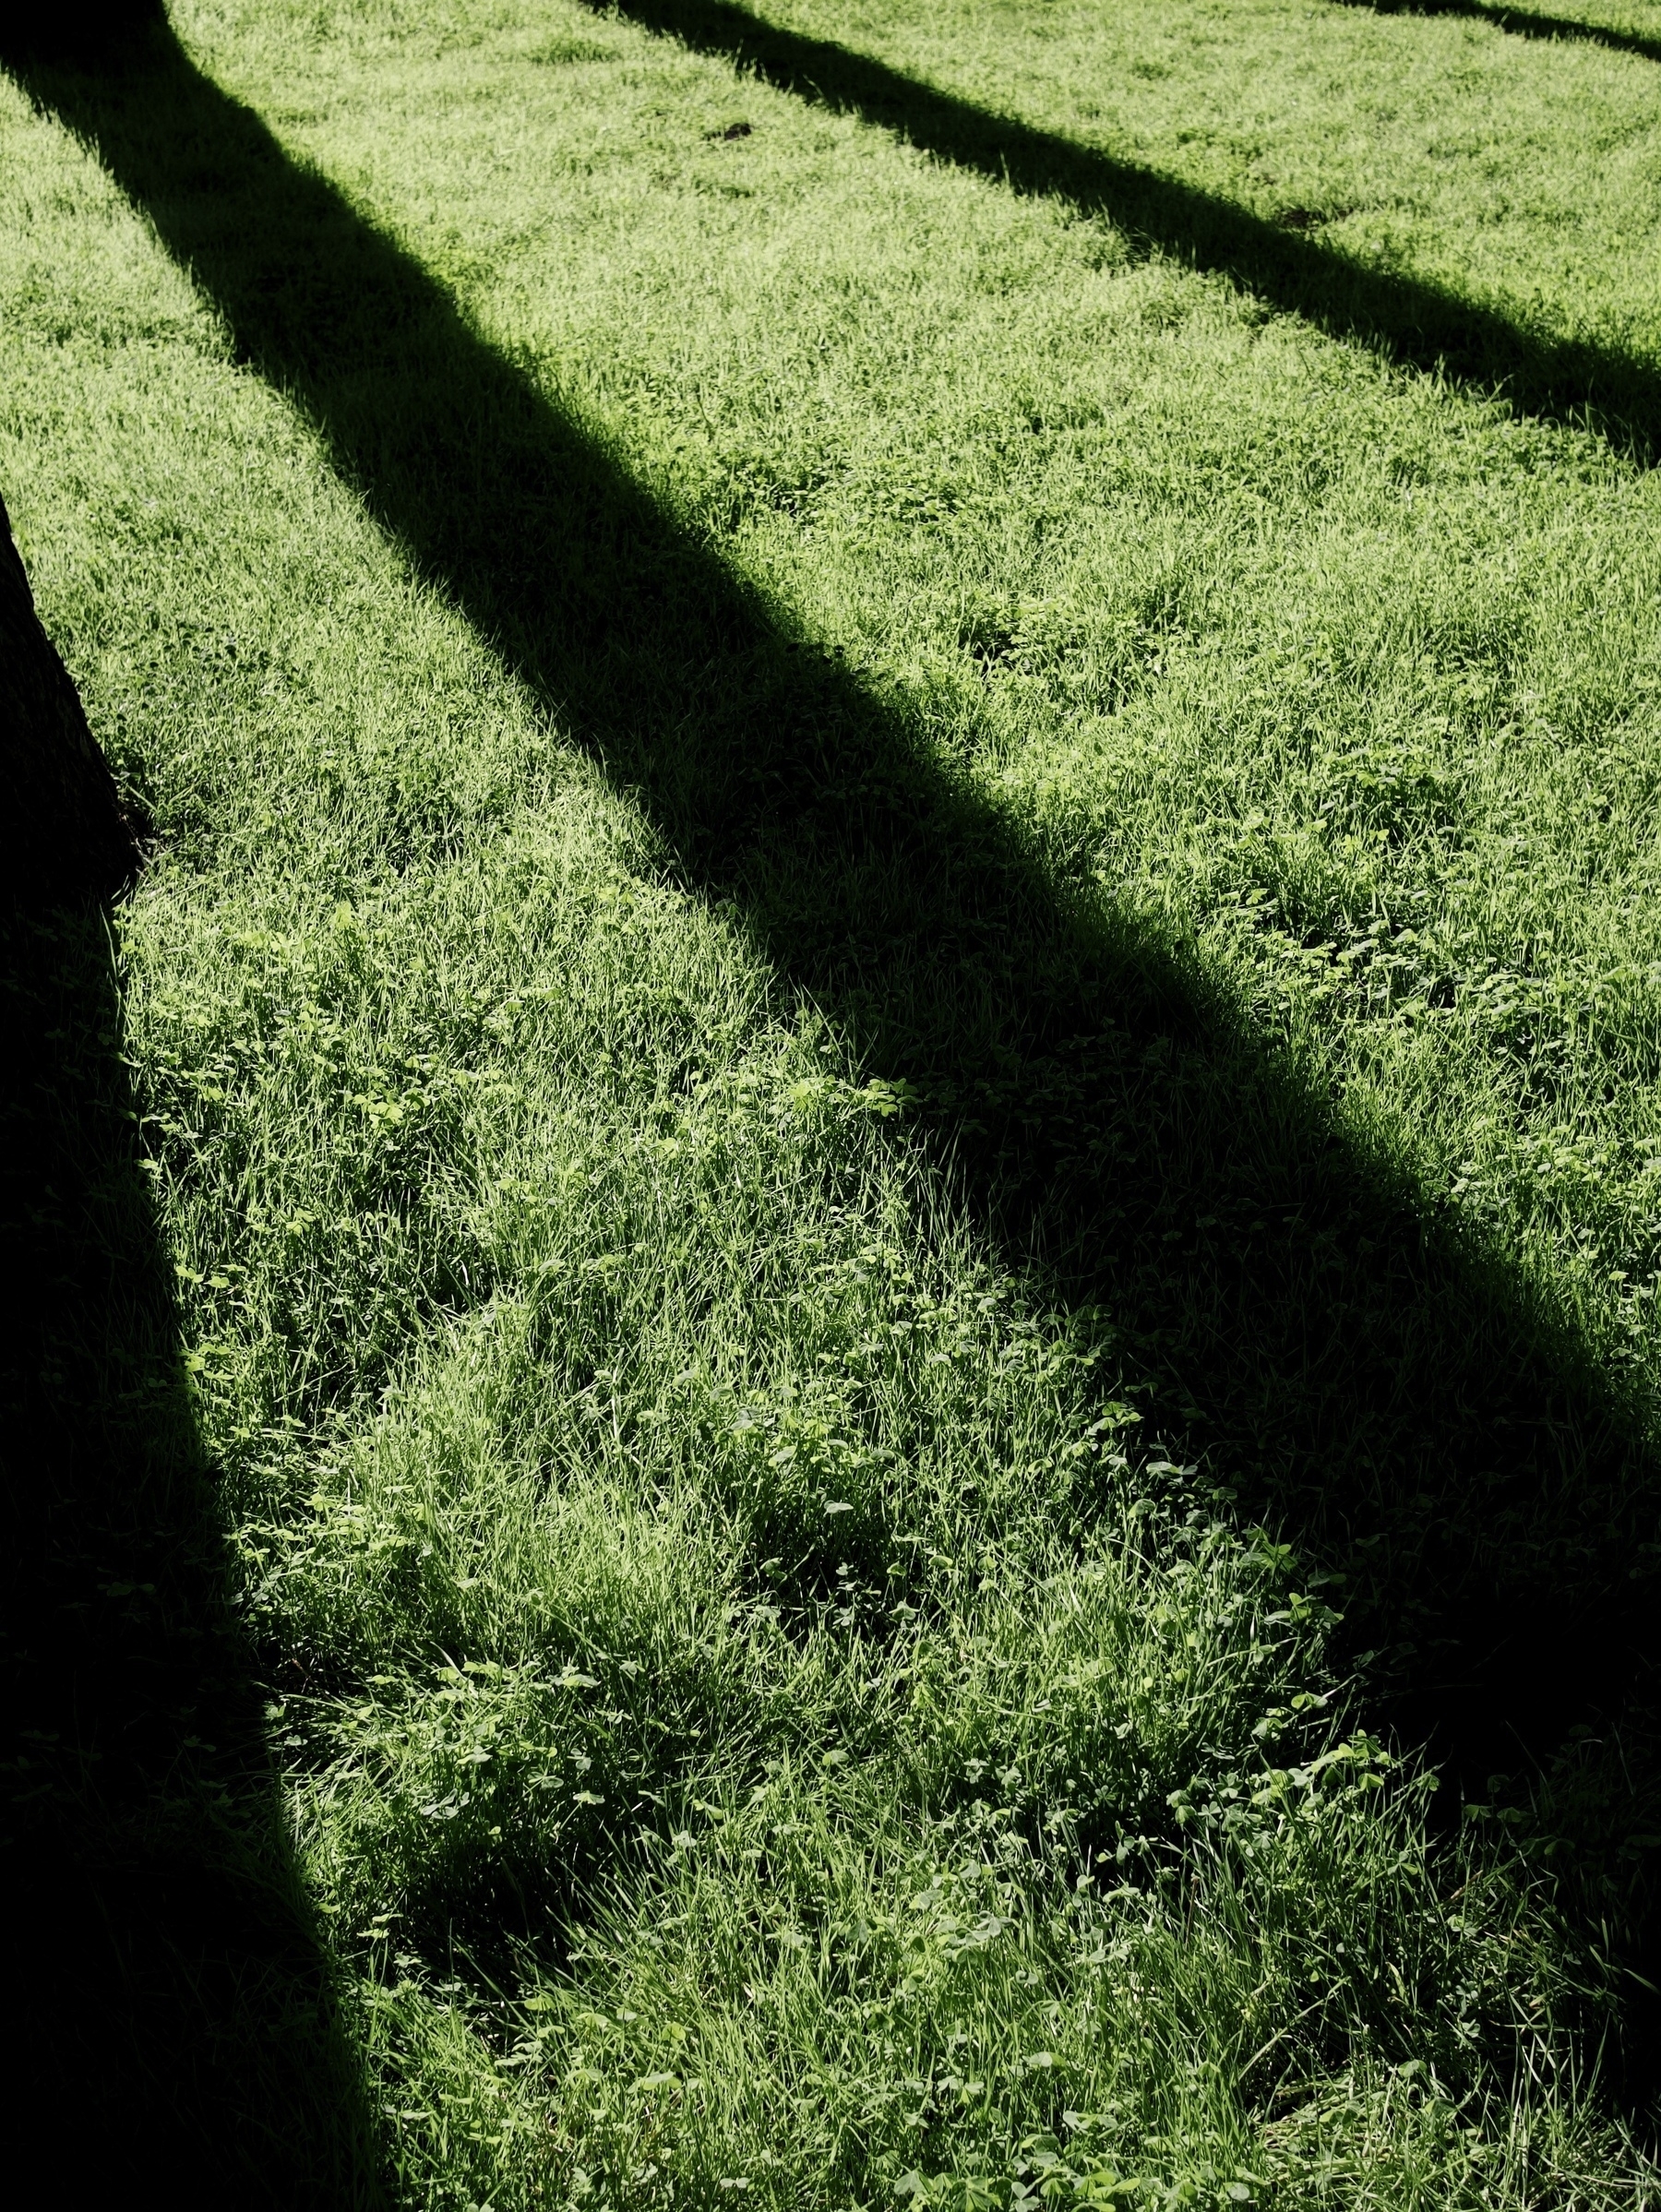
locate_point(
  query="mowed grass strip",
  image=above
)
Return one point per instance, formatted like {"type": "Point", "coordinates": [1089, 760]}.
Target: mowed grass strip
{"type": "Point", "coordinates": [848, 868]}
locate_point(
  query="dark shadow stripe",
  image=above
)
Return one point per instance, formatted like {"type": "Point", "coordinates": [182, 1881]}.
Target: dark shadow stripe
{"type": "Point", "coordinates": [177, 2003]}
{"type": "Point", "coordinates": [1519, 23]}
{"type": "Point", "coordinates": [1410, 320]}
{"type": "Point", "coordinates": [1385, 1390]}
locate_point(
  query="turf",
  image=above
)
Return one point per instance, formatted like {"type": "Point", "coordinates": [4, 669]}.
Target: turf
{"type": "Point", "coordinates": [893, 1229]}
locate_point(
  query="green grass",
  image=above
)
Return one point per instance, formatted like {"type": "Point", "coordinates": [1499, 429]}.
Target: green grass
{"type": "Point", "coordinates": [895, 1054]}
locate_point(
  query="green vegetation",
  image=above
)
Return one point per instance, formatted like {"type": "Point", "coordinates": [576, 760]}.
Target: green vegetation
{"type": "Point", "coordinates": [895, 1041]}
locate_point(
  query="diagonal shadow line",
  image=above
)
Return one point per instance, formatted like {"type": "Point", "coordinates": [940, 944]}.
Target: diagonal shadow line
{"type": "Point", "coordinates": [1409, 320]}
{"type": "Point", "coordinates": [1387, 1394]}
{"type": "Point", "coordinates": [1521, 23]}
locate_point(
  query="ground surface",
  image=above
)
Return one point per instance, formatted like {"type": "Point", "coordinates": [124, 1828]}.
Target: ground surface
{"type": "Point", "coordinates": [864, 1220]}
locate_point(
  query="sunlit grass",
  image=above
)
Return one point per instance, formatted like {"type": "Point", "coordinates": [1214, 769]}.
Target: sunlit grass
{"type": "Point", "coordinates": [791, 1524]}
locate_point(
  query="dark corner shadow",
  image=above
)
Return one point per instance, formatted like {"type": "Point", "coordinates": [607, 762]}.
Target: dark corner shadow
{"type": "Point", "coordinates": [1419, 324]}
{"type": "Point", "coordinates": [172, 2006]}
{"type": "Point", "coordinates": [1381, 1390]}
{"type": "Point", "coordinates": [1521, 23]}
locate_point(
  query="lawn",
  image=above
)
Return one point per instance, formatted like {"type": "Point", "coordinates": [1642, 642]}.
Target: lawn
{"type": "Point", "coordinates": [860, 1230]}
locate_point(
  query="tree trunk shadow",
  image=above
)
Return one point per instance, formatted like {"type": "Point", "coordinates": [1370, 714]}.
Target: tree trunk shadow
{"type": "Point", "coordinates": [1287, 263]}
{"type": "Point", "coordinates": [177, 2023]}
{"type": "Point", "coordinates": [1384, 1390]}
{"type": "Point", "coordinates": [1522, 23]}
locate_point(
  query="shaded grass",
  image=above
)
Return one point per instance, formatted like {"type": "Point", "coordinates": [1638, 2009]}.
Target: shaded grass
{"type": "Point", "coordinates": [162, 1943]}
{"type": "Point", "coordinates": [651, 1438]}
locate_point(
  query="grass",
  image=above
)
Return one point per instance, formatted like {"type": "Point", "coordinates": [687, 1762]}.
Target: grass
{"type": "Point", "coordinates": [894, 1232]}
